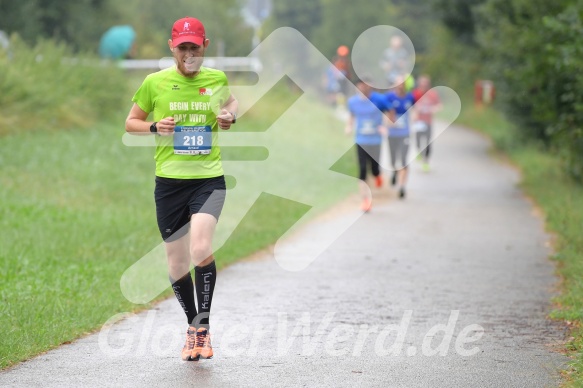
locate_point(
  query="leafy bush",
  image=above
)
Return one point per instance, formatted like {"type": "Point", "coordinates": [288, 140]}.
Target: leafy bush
{"type": "Point", "coordinates": [564, 55]}
{"type": "Point", "coordinates": [535, 52]}
{"type": "Point", "coordinates": [79, 23]}
{"type": "Point", "coordinates": [533, 49]}
{"type": "Point", "coordinates": [47, 87]}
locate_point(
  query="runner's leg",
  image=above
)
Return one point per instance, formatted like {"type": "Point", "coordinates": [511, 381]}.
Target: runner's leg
{"type": "Point", "coordinates": [205, 205]}
{"type": "Point", "coordinates": [419, 135]}
{"type": "Point", "coordinates": [428, 140]}
{"type": "Point", "coordinates": [178, 256]}
{"type": "Point", "coordinates": [202, 229]}
{"type": "Point", "coordinates": [362, 162]}
{"type": "Point", "coordinates": [363, 187]}
{"type": "Point", "coordinates": [393, 149]}
{"type": "Point", "coordinates": [373, 153]}
{"type": "Point", "coordinates": [172, 216]}
{"type": "Point", "coordinates": [403, 172]}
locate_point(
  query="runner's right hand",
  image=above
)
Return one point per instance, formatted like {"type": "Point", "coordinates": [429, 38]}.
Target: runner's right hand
{"type": "Point", "coordinates": [166, 126]}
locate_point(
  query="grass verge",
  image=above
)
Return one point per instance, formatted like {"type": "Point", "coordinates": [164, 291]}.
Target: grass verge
{"type": "Point", "coordinates": [561, 199]}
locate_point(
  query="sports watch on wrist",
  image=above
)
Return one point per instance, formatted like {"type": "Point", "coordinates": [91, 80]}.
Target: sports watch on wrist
{"type": "Point", "coordinates": [153, 127]}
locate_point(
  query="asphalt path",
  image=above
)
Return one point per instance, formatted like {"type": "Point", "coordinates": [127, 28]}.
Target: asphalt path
{"type": "Point", "coordinates": [450, 287]}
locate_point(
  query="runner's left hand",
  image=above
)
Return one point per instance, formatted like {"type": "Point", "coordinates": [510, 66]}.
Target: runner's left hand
{"type": "Point", "coordinates": [225, 119]}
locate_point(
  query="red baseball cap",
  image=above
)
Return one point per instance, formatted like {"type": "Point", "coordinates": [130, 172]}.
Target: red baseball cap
{"type": "Point", "coordinates": [188, 30]}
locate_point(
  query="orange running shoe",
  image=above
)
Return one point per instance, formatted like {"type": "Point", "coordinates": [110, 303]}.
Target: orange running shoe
{"type": "Point", "coordinates": [366, 205]}
{"type": "Point", "coordinates": [202, 346]}
{"type": "Point", "coordinates": [189, 345]}
{"type": "Point", "coordinates": [378, 181]}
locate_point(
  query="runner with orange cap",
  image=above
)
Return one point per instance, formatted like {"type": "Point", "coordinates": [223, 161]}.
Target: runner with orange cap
{"type": "Point", "coordinates": [343, 51]}
{"type": "Point", "coordinates": [342, 63]}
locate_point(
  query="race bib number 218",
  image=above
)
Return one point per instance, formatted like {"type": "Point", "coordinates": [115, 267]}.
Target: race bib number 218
{"type": "Point", "coordinates": [192, 140]}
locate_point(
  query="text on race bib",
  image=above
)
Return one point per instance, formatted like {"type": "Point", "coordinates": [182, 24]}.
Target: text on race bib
{"type": "Point", "coordinates": [192, 140]}
{"type": "Point", "coordinates": [368, 128]}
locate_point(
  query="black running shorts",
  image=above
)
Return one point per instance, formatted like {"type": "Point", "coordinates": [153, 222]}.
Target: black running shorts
{"type": "Point", "coordinates": [178, 199]}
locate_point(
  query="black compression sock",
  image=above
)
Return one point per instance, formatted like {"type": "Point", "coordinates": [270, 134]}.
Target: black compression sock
{"type": "Point", "coordinates": [184, 291]}
{"type": "Point", "coordinates": [205, 278]}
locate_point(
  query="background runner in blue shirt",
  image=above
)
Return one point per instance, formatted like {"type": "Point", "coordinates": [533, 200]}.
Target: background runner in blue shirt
{"type": "Point", "coordinates": [366, 120]}
{"type": "Point", "coordinates": [399, 102]}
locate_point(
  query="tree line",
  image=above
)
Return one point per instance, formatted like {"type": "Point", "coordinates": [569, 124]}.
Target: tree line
{"type": "Point", "coordinates": [532, 49]}
{"type": "Point", "coordinates": [81, 23]}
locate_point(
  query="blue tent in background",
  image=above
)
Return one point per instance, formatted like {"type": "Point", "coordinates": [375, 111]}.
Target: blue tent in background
{"type": "Point", "coordinates": [117, 42]}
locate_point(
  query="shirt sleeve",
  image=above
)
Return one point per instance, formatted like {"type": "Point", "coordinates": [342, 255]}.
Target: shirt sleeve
{"type": "Point", "coordinates": [411, 99]}
{"type": "Point", "coordinates": [221, 95]}
{"type": "Point", "coordinates": [385, 102]}
{"type": "Point", "coordinates": [143, 96]}
{"type": "Point", "coordinates": [389, 101]}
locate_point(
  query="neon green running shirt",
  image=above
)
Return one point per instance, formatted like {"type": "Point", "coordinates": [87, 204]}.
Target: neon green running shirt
{"type": "Point", "coordinates": [193, 151]}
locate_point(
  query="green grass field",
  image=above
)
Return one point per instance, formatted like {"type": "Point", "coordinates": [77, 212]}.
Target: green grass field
{"type": "Point", "coordinates": [561, 200]}
{"type": "Point", "coordinates": [77, 210]}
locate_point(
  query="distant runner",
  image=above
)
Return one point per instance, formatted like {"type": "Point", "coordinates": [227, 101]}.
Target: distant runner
{"type": "Point", "coordinates": [399, 102]}
{"type": "Point", "coordinates": [344, 72]}
{"type": "Point", "coordinates": [427, 103]}
{"type": "Point", "coordinates": [366, 120]}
